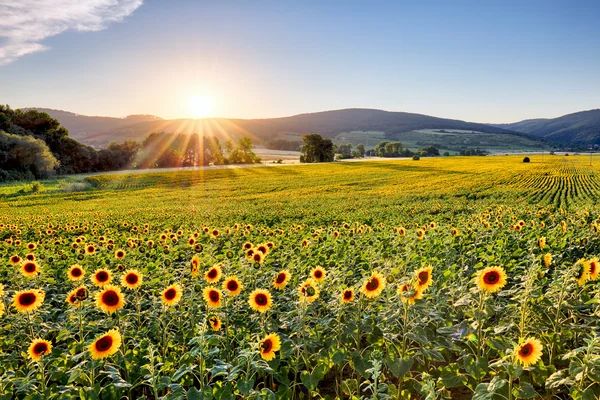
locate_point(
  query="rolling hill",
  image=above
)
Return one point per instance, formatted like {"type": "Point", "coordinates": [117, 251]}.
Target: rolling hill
{"type": "Point", "coordinates": [578, 128]}
{"type": "Point", "coordinates": [99, 131]}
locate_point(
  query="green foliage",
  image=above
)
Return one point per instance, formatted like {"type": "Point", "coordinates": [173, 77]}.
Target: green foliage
{"type": "Point", "coordinates": [24, 157]}
{"type": "Point", "coordinates": [316, 149]}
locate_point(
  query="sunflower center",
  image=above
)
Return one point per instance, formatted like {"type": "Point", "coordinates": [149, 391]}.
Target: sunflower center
{"type": "Point", "coordinates": [232, 286]}
{"type": "Point", "coordinates": [102, 276]}
{"type": "Point", "coordinates": [423, 277]}
{"type": "Point", "coordinates": [212, 274]}
{"type": "Point", "coordinates": [29, 267]}
{"type": "Point", "coordinates": [120, 254]}
{"type": "Point", "coordinates": [266, 346]}
{"type": "Point", "coordinates": [170, 294]}
{"type": "Point", "coordinates": [15, 259]}
{"type": "Point", "coordinates": [318, 274]}
{"type": "Point", "coordinates": [373, 284]}
{"type": "Point", "coordinates": [260, 299]}
{"type": "Point", "coordinates": [491, 277]}
{"type": "Point", "coordinates": [132, 279]}
{"type": "Point", "coordinates": [347, 294]}
{"type": "Point", "coordinates": [214, 295]}
{"type": "Point", "coordinates": [76, 272]}
{"type": "Point", "coordinates": [526, 350]}
{"type": "Point", "coordinates": [280, 278]}
{"type": "Point", "coordinates": [81, 294]}
{"type": "Point", "coordinates": [40, 349]}
{"type": "Point", "coordinates": [592, 267]}
{"type": "Point", "coordinates": [110, 298]}
{"type": "Point", "coordinates": [104, 343]}
{"type": "Point", "coordinates": [27, 299]}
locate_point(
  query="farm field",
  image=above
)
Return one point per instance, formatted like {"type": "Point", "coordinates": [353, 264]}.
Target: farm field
{"type": "Point", "coordinates": [443, 278]}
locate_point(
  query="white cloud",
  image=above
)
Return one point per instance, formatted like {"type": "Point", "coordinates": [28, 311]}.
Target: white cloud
{"type": "Point", "coordinates": [24, 24]}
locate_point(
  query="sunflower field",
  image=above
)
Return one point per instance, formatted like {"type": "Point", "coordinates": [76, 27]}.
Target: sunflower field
{"type": "Point", "coordinates": [454, 278]}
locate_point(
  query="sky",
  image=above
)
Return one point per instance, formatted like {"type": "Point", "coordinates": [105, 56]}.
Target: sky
{"type": "Point", "coordinates": [478, 61]}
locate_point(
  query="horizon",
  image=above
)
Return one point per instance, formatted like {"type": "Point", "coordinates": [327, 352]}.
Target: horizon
{"type": "Point", "coordinates": [490, 64]}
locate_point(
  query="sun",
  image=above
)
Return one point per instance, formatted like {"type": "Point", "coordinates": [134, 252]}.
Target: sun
{"type": "Point", "coordinates": [200, 106]}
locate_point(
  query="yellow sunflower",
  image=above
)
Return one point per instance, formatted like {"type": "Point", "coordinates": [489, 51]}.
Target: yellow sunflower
{"type": "Point", "coordinates": [584, 271]}
{"type": "Point", "coordinates": [15, 260]}
{"type": "Point", "coordinates": [529, 351]}
{"type": "Point", "coordinates": [374, 285]}
{"type": "Point", "coordinates": [110, 299]}
{"type": "Point", "coordinates": [131, 279]}
{"type": "Point", "coordinates": [30, 269]}
{"type": "Point", "coordinates": [212, 296]}
{"type": "Point", "coordinates": [232, 285]}
{"type": "Point", "coordinates": [39, 348]}
{"type": "Point", "coordinates": [491, 279]}
{"type": "Point", "coordinates": [214, 322]}
{"type": "Point", "coordinates": [29, 300]}
{"type": "Point", "coordinates": [542, 242]}
{"type": "Point", "coordinates": [420, 234]}
{"type": "Point", "coordinates": [195, 265]}
{"type": "Point", "coordinates": [594, 269]}
{"type": "Point", "coordinates": [257, 257]}
{"type": "Point", "coordinates": [260, 300]}
{"type": "Point", "coordinates": [547, 260]}
{"type": "Point", "coordinates": [120, 254]}
{"type": "Point", "coordinates": [281, 280]}
{"type": "Point", "coordinates": [269, 345]}
{"type": "Point", "coordinates": [308, 291]}
{"type": "Point", "coordinates": [77, 295]}
{"type": "Point", "coordinates": [172, 294]}
{"type": "Point", "coordinates": [318, 274]}
{"type": "Point", "coordinates": [247, 246]}
{"type": "Point", "coordinates": [405, 291]}
{"type": "Point", "coordinates": [101, 277]}
{"type": "Point", "coordinates": [213, 274]}
{"type": "Point", "coordinates": [105, 345]}
{"type": "Point", "coordinates": [347, 295]}
{"type": "Point", "coordinates": [76, 273]}
{"type": "Point", "coordinates": [262, 248]}
{"type": "Point", "coordinates": [423, 278]}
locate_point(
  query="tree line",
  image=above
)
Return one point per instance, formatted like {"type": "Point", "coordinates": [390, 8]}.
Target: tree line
{"type": "Point", "coordinates": [33, 145]}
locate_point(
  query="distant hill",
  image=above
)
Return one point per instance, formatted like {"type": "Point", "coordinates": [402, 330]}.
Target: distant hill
{"type": "Point", "coordinates": [81, 127]}
{"type": "Point", "coordinates": [578, 128]}
{"type": "Point", "coordinates": [99, 131]}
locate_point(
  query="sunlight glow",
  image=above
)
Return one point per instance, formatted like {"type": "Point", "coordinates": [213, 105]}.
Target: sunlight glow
{"type": "Point", "coordinates": [200, 106]}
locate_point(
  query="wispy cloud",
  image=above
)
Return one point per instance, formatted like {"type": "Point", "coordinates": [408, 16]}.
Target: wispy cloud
{"type": "Point", "coordinates": [24, 24]}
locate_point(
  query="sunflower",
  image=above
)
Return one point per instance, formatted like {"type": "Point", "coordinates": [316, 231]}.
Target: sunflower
{"type": "Point", "coordinates": [172, 294]}
{"type": "Point", "coordinates": [347, 295]}
{"type": "Point", "coordinates": [30, 269]}
{"type": "Point", "coordinates": [529, 351]}
{"type": "Point", "coordinates": [39, 348]}
{"type": "Point", "coordinates": [213, 275]}
{"type": "Point", "coordinates": [308, 291]}
{"type": "Point", "coordinates": [263, 248]}
{"type": "Point", "coordinates": [258, 257]}
{"type": "Point", "coordinates": [15, 260]}
{"type": "Point", "coordinates": [260, 300]}
{"type": "Point", "coordinates": [110, 299]}
{"type": "Point", "coordinates": [212, 296]}
{"type": "Point", "coordinates": [584, 271]}
{"type": "Point", "coordinates": [29, 300]}
{"type": "Point", "coordinates": [31, 246]}
{"type": "Point", "coordinates": [269, 345]}
{"type": "Point", "coordinates": [282, 279]}
{"type": "Point", "coordinates": [247, 246]}
{"type": "Point", "coordinates": [405, 291]}
{"type": "Point", "coordinates": [131, 279]}
{"type": "Point", "coordinates": [214, 322]}
{"type": "Point", "coordinates": [195, 265]}
{"type": "Point", "coordinates": [120, 254]}
{"type": "Point", "coordinates": [76, 273]}
{"type": "Point", "coordinates": [420, 234]}
{"type": "Point", "coordinates": [547, 260]}
{"type": "Point", "coordinates": [101, 277]}
{"type": "Point", "coordinates": [455, 232]}
{"type": "Point", "coordinates": [542, 242]}
{"type": "Point", "coordinates": [90, 249]}
{"type": "Point", "coordinates": [105, 345]}
{"type": "Point", "coordinates": [594, 269]}
{"type": "Point", "coordinates": [374, 285]}
{"type": "Point", "coordinates": [77, 295]}
{"type": "Point", "coordinates": [423, 278]}
{"type": "Point", "coordinates": [318, 274]}
{"type": "Point", "coordinates": [491, 279]}
{"type": "Point", "coordinates": [232, 285]}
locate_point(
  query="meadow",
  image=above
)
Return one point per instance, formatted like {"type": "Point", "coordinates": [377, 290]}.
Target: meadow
{"type": "Point", "coordinates": [460, 277]}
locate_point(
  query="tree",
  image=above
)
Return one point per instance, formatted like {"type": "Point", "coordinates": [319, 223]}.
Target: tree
{"type": "Point", "coordinates": [316, 149]}
{"type": "Point", "coordinates": [25, 157]}
{"type": "Point", "coordinates": [360, 150]}
{"type": "Point", "coordinates": [345, 151]}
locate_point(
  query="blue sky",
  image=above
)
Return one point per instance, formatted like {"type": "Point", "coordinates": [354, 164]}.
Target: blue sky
{"type": "Point", "coordinates": [472, 60]}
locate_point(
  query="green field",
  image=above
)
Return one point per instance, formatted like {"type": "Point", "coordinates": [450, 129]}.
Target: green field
{"type": "Point", "coordinates": [375, 228]}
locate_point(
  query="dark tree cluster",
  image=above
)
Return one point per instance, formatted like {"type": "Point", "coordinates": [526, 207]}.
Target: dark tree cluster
{"type": "Point", "coordinates": [316, 149]}
{"type": "Point", "coordinates": [280, 144]}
